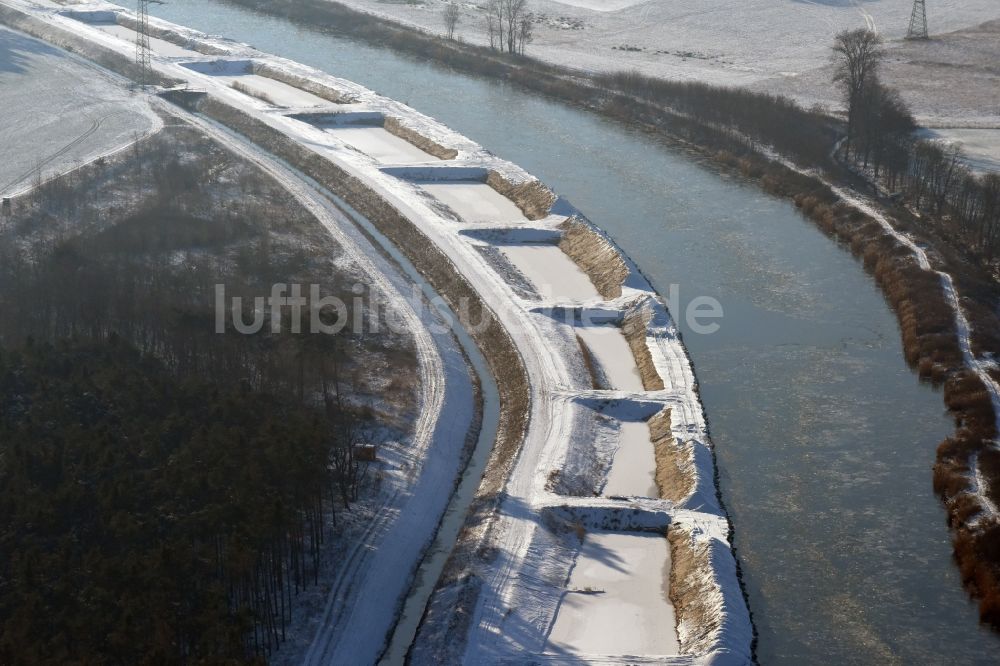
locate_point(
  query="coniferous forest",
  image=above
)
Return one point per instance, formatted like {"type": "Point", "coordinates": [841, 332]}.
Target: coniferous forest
{"type": "Point", "coordinates": [165, 490]}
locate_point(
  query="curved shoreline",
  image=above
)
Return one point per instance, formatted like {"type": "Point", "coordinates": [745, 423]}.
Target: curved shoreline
{"type": "Point", "coordinates": [526, 364]}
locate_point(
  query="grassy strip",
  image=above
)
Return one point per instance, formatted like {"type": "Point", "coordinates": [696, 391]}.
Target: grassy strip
{"type": "Point", "coordinates": [532, 197]}
{"type": "Point", "coordinates": [693, 595]}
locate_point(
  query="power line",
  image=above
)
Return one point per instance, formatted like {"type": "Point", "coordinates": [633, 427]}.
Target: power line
{"type": "Point", "coordinates": [918, 21]}
{"type": "Point", "coordinates": [142, 52]}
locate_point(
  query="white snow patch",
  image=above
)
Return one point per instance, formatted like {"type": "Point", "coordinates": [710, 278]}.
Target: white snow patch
{"type": "Point", "coordinates": [553, 274]}
{"type": "Point", "coordinates": [609, 348]}
{"type": "Point", "coordinates": [158, 46]}
{"type": "Point", "coordinates": [633, 468]}
{"type": "Point", "coordinates": [617, 600]}
{"type": "Point", "coordinates": [278, 91]}
{"type": "Point", "coordinates": [381, 145]}
{"type": "Point", "coordinates": [473, 201]}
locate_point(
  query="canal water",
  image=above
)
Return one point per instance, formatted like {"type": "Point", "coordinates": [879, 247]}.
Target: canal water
{"type": "Point", "coordinates": [825, 439]}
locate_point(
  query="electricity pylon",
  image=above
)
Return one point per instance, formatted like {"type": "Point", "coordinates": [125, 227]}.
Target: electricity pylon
{"type": "Point", "coordinates": [142, 53]}
{"type": "Point", "coordinates": [918, 21]}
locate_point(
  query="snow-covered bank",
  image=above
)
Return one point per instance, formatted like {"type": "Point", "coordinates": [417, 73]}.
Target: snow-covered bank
{"type": "Point", "coordinates": [513, 586]}
{"type": "Point", "coordinates": [415, 475]}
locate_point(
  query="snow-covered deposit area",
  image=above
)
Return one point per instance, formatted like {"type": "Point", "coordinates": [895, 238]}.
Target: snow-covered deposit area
{"type": "Point", "coordinates": [607, 542]}
{"type": "Point", "coordinates": [616, 601]}
{"type": "Point", "coordinates": [59, 112]}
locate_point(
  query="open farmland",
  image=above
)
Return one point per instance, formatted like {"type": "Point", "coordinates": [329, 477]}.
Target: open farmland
{"type": "Point", "coordinates": [58, 112]}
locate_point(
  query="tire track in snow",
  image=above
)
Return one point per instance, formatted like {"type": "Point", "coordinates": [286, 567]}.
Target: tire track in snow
{"type": "Point", "coordinates": [94, 126]}
{"type": "Point", "coordinates": [345, 585]}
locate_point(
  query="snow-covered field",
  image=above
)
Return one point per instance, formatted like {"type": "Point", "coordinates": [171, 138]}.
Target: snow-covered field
{"type": "Point", "coordinates": [474, 202]}
{"type": "Point", "coordinates": [616, 601]}
{"type": "Point", "coordinates": [951, 80]}
{"type": "Point", "coordinates": [383, 146]}
{"type": "Point", "coordinates": [729, 42]}
{"type": "Point", "coordinates": [59, 112]}
{"type": "Point", "coordinates": [521, 590]}
{"type": "Point", "coordinates": [980, 147]}
{"type": "Point", "coordinates": [633, 468]}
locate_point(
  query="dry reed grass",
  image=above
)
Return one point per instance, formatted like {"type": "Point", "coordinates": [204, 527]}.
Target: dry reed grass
{"type": "Point", "coordinates": [674, 460]}
{"type": "Point", "coordinates": [634, 328]}
{"type": "Point", "coordinates": [692, 590]}
{"type": "Point", "coordinates": [602, 263]}
{"type": "Point", "coordinates": [532, 196]}
{"type": "Point", "coordinates": [394, 126]}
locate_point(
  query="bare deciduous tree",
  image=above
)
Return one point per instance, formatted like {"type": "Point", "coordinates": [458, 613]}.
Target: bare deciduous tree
{"type": "Point", "coordinates": [857, 56]}
{"type": "Point", "coordinates": [451, 16]}
{"type": "Point", "coordinates": [525, 33]}
{"type": "Point", "coordinates": [508, 25]}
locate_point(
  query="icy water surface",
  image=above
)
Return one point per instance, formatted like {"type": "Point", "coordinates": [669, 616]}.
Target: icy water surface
{"type": "Point", "coordinates": [825, 439]}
